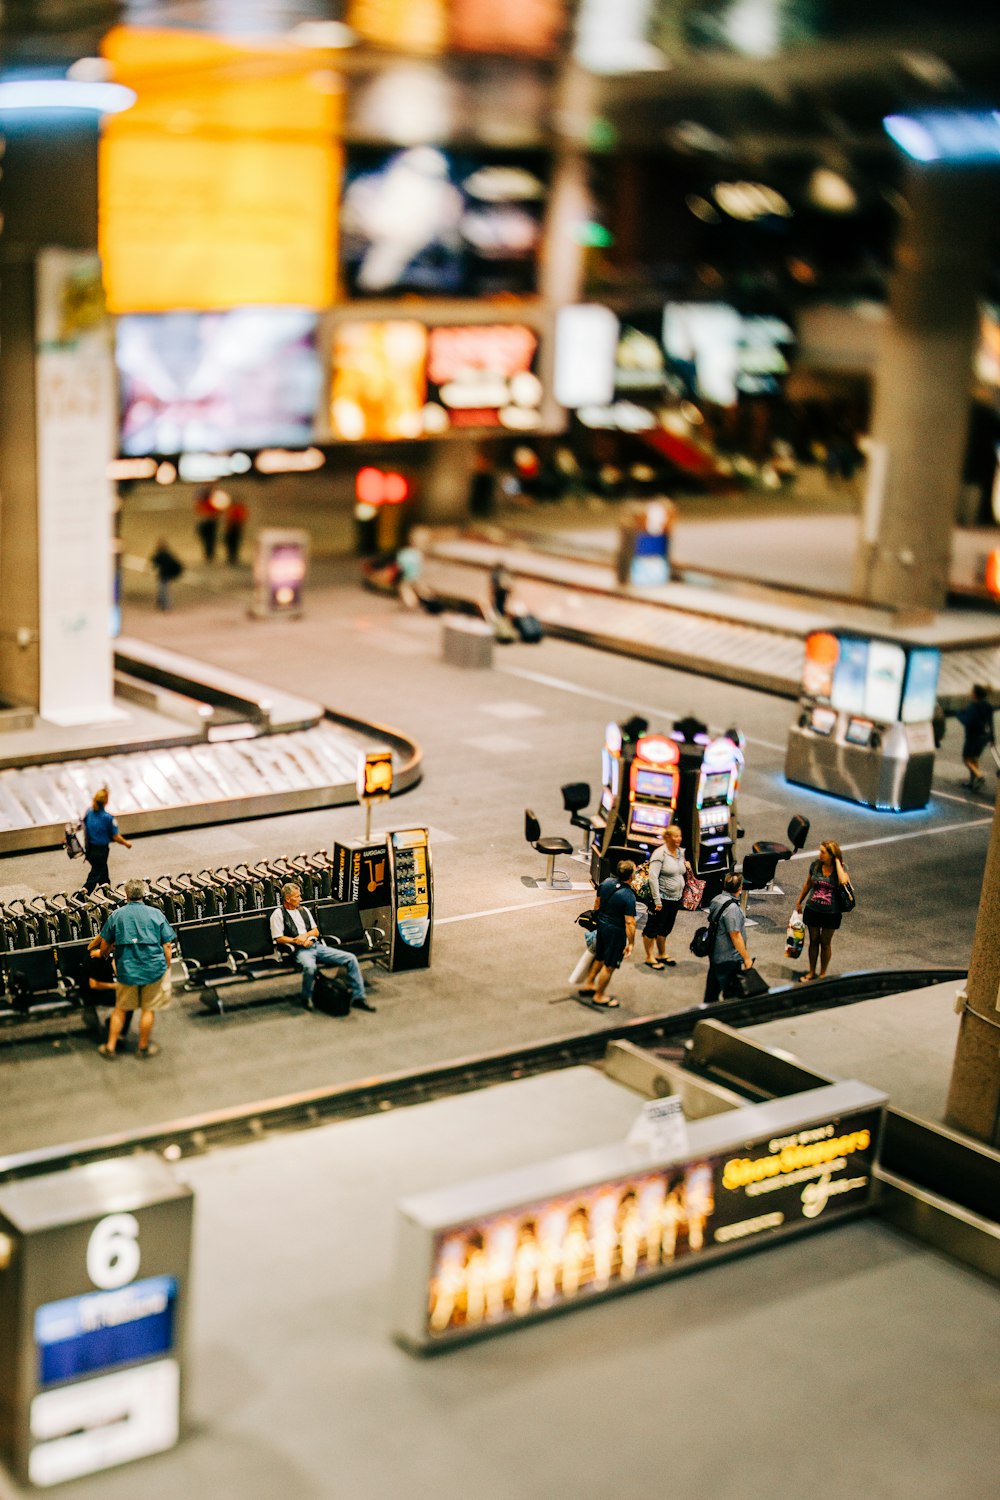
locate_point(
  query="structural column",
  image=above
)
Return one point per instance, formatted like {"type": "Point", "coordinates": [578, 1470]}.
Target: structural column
{"type": "Point", "coordinates": [921, 412]}
{"type": "Point", "coordinates": [974, 1096]}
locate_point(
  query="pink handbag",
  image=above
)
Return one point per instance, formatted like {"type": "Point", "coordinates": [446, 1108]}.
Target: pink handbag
{"type": "Point", "coordinates": [694, 889]}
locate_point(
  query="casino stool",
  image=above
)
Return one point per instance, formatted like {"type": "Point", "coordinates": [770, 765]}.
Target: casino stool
{"type": "Point", "coordinates": [798, 832]}
{"type": "Point", "coordinates": [550, 847]}
{"type": "Point", "coordinates": [758, 871]}
{"type": "Point", "coordinates": [576, 795]}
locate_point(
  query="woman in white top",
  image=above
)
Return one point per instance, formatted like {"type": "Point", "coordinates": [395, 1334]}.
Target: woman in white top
{"type": "Point", "coordinates": [668, 869]}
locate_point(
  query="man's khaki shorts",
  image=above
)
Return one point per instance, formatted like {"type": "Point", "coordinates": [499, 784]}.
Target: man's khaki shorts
{"type": "Point", "coordinates": [154, 996]}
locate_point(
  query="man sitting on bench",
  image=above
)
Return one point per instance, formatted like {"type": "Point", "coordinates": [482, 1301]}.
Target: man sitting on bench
{"type": "Point", "coordinates": [296, 934]}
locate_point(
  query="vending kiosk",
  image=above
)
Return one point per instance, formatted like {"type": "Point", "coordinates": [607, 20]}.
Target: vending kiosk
{"type": "Point", "coordinates": [412, 891]}
{"type": "Point", "coordinates": [640, 780]}
{"type": "Point", "coordinates": [864, 727]}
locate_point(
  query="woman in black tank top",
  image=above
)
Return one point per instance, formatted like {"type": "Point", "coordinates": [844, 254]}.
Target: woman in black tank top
{"type": "Point", "coordinates": [819, 903]}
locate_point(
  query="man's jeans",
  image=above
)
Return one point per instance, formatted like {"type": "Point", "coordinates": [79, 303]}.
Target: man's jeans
{"type": "Point", "coordinates": [307, 959]}
{"type": "Point", "coordinates": [719, 976]}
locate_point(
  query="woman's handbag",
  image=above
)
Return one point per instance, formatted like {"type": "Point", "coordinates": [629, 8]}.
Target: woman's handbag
{"type": "Point", "coordinates": [746, 984]}
{"type": "Point", "coordinates": [643, 887]}
{"type": "Point", "coordinates": [846, 899]}
{"type": "Point", "coordinates": [694, 890]}
{"type": "Point", "coordinates": [795, 936]}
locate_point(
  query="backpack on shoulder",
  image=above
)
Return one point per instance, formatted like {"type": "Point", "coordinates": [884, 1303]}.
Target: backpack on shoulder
{"type": "Point", "coordinates": [704, 939]}
{"type": "Point", "coordinates": [332, 993]}
{"type": "Point", "coordinates": [74, 839]}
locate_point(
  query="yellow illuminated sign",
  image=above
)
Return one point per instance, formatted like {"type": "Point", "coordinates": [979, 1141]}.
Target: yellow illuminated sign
{"type": "Point", "coordinates": [408, 25]}
{"type": "Point", "coordinates": [374, 774]}
{"type": "Point", "coordinates": [218, 188]}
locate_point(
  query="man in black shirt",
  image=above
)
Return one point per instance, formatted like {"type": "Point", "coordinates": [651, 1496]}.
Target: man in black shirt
{"type": "Point", "coordinates": [615, 908]}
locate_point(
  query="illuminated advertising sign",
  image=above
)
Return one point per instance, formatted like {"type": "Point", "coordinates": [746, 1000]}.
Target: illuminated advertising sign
{"type": "Point", "coordinates": [218, 188]}
{"type": "Point", "coordinates": [280, 565]}
{"type": "Point", "coordinates": [822, 653]}
{"type": "Point", "coordinates": [920, 693]}
{"type": "Point", "coordinates": [530, 27]}
{"type": "Point", "coordinates": [404, 25]}
{"type": "Point", "coordinates": [429, 221]}
{"type": "Point", "coordinates": [884, 681]}
{"type": "Point", "coordinates": [378, 385]}
{"type": "Point", "coordinates": [214, 382]}
{"type": "Point", "coordinates": [586, 344]}
{"type": "Point", "coordinates": [850, 675]}
{"type": "Point", "coordinates": [374, 775]}
{"type": "Point", "coordinates": [642, 1223]}
{"type": "Point", "coordinates": [99, 1330]}
{"type": "Point", "coordinates": [483, 376]}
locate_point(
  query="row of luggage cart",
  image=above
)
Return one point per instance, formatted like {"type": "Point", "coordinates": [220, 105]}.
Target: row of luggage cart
{"type": "Point", "coordinates": [222, 919]}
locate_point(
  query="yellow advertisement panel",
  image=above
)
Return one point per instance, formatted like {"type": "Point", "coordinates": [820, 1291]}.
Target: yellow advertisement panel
{"type": "Point", "coordinates": [379, 383]}
{"type": "Point", "coordinates": [218, 188]}
{"type": "Point", "coordinates": [409, 25]}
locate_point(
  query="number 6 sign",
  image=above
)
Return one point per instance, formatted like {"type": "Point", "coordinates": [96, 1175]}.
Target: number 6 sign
{"type": "Point", "coordinates": [113, 1255]}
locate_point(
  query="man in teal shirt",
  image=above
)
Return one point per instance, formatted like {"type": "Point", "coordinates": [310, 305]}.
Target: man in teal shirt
{"type": "Point", "coordinates": [142, 941]}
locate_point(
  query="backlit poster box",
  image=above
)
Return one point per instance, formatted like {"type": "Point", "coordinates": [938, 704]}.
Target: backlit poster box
{"type": "Point", "coordinates": [729, 1189]}
{"type": "Point", "coordinates": [483, 376]}
{"type": "Point", "coordinates": [586, 341]}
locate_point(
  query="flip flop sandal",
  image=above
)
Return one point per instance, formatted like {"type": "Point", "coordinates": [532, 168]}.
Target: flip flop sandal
{"type": "Point", "coordinates": [106, 1051]}
{"type": "Point", "coordinates": [151, 1051]}
{"type": "Point", "coordinates": [670, 963]}
{"type": "Point", "coordinates": [653, 964]}
{"type": "Point", "coordinates": [609, 1004]}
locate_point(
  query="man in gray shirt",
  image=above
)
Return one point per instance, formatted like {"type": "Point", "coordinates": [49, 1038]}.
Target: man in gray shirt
{"type": "Point", "coordinates": [729, 951]}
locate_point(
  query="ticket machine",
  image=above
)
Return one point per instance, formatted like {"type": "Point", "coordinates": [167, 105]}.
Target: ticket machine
{"type": "Point", "coordinates": [640, 782]}
{"type": "Point", "coordinates": [864, 726]}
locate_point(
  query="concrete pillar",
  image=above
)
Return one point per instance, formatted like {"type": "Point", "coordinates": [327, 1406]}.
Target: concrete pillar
{"type": "Point", "coordinates": [921, 410]}
{"type": "Point", "coordinates": [974, 1096]}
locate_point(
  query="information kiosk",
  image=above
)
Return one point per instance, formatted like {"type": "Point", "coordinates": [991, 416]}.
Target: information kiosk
{"type": "Point", "coordinates": [412, 887]}
{"type": "Point", "coordinates": [640, 780]}
{"type": "Point", "coordinates": [864, 727]}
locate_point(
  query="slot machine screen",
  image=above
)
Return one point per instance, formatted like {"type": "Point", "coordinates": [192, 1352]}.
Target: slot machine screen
{"type": "Point", "coordinates": [715, 787]}
{"type": "Point", "coordinates": [858, 731]}
{"type": "Point", "coordinates": [654, 784]}
{"type": "Point", "coordinates": [651, 818]}
{"type": "Point", "coordinates": [616, 768]}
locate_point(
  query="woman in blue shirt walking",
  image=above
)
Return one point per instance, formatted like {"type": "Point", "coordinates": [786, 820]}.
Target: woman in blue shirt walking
{"type": "Point", "coordinates": [101, 831]}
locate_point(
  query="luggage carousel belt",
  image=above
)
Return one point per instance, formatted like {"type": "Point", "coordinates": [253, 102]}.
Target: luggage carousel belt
{"type": "Point", "coordinates": [185, 785]}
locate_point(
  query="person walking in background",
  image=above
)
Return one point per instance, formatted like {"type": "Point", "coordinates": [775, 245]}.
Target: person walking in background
{"type": "Point", "coordinates": [668, 869]}
{"type": "Point", "coordinates": [167, 566]}
{"type": "Point", "coordinates": [728, 925]}
{"type": "Point", "coordinates": [977, 720]}
{"type": "Point", "coordinates": [234, 522]}
{"type": "Point", "coordinates": [819, 903]}
{"type": "Point", "coordinates": [206, 520]}
{"type": "Point", "coordinates": [100, 832]}
{"type": "Point", "coordinates": [142, 941]}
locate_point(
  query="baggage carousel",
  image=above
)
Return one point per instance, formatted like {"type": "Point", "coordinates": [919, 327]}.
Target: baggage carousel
{"type": "Point", "coordinates": [215, 747]}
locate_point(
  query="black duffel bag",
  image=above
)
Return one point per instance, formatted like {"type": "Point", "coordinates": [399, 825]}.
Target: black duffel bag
{"type": "Point", "coordinates": [746, 984]}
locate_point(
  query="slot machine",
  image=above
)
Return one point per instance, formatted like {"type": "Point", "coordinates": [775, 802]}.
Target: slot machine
{"type": "Point", "coordinates": [639, 786]}
{"type": "Point", "coordinates": [713, 826]}
{"type": "Point", "coordinates": [864, 729]}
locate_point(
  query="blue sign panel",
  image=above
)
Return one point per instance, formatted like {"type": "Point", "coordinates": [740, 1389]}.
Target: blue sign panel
{"type": "Point", "coordinates": [99, 1330]}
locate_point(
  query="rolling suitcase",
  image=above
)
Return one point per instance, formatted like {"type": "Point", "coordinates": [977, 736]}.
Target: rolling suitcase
{"type": "Point", "coordinates": [332, 993]}
{"type": "Point", "coordinates": [529, 629]}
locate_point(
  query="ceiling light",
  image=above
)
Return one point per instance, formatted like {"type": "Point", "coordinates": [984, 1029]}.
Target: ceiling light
{"type": "Point", "coordinates": [750, 200]}
{"type": "Point", "coordinates": [831, 191]}
{"type": "Point", "coordinates": [64, 93]}
{"type": "Point", "coordinates": [956, 135]}
{"type": "Point", "coordinates": [328, 36]}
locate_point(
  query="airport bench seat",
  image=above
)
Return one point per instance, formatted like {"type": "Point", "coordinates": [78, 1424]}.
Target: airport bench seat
{"type": "Point", "coordinates": [205, 953]}
{"type": "Point", "coordinates": [32, 981]}
{"type": "Point", "coordinates": [340, 925]}
{"type": "Point", "coordinates": [252, 947]}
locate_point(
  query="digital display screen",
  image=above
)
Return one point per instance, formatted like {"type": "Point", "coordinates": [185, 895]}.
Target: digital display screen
{"type": "Point", "coordinates": [616, 772]}
{"type": "Point", "coordinates": [429, 221]}
{"type": "Point", "coordinates": [718, 353]}
{"type": "Point", "coordinates": [920, 692]}
{"type": "Point", "coordinates": [605, 768]}
{"type": "Point", "coordinates": [715, 787]}
{"type": "Point", "coordinates": [99, 1330]}
{"type": "Point", "coordinates": [645, 816]}
{"type": "Point", "coordinates": [653, 784]}
{"type": "Point", "coordinates": [542, 1256]}
{"type": "Point", "coordinates": [858, 731]}
{"type": "Point", "coordinates": [483, 376]}
{"type": "Point", "coordinates": [378, 384]}
{"type": "Point", "coordinates": [884, 682]}
{"type": "Point", "coordinates": [850, 675]}
{"type": "Point", "coordinates": [823, 721]}
{"type": "Point", "coordinates": [214, 382]}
